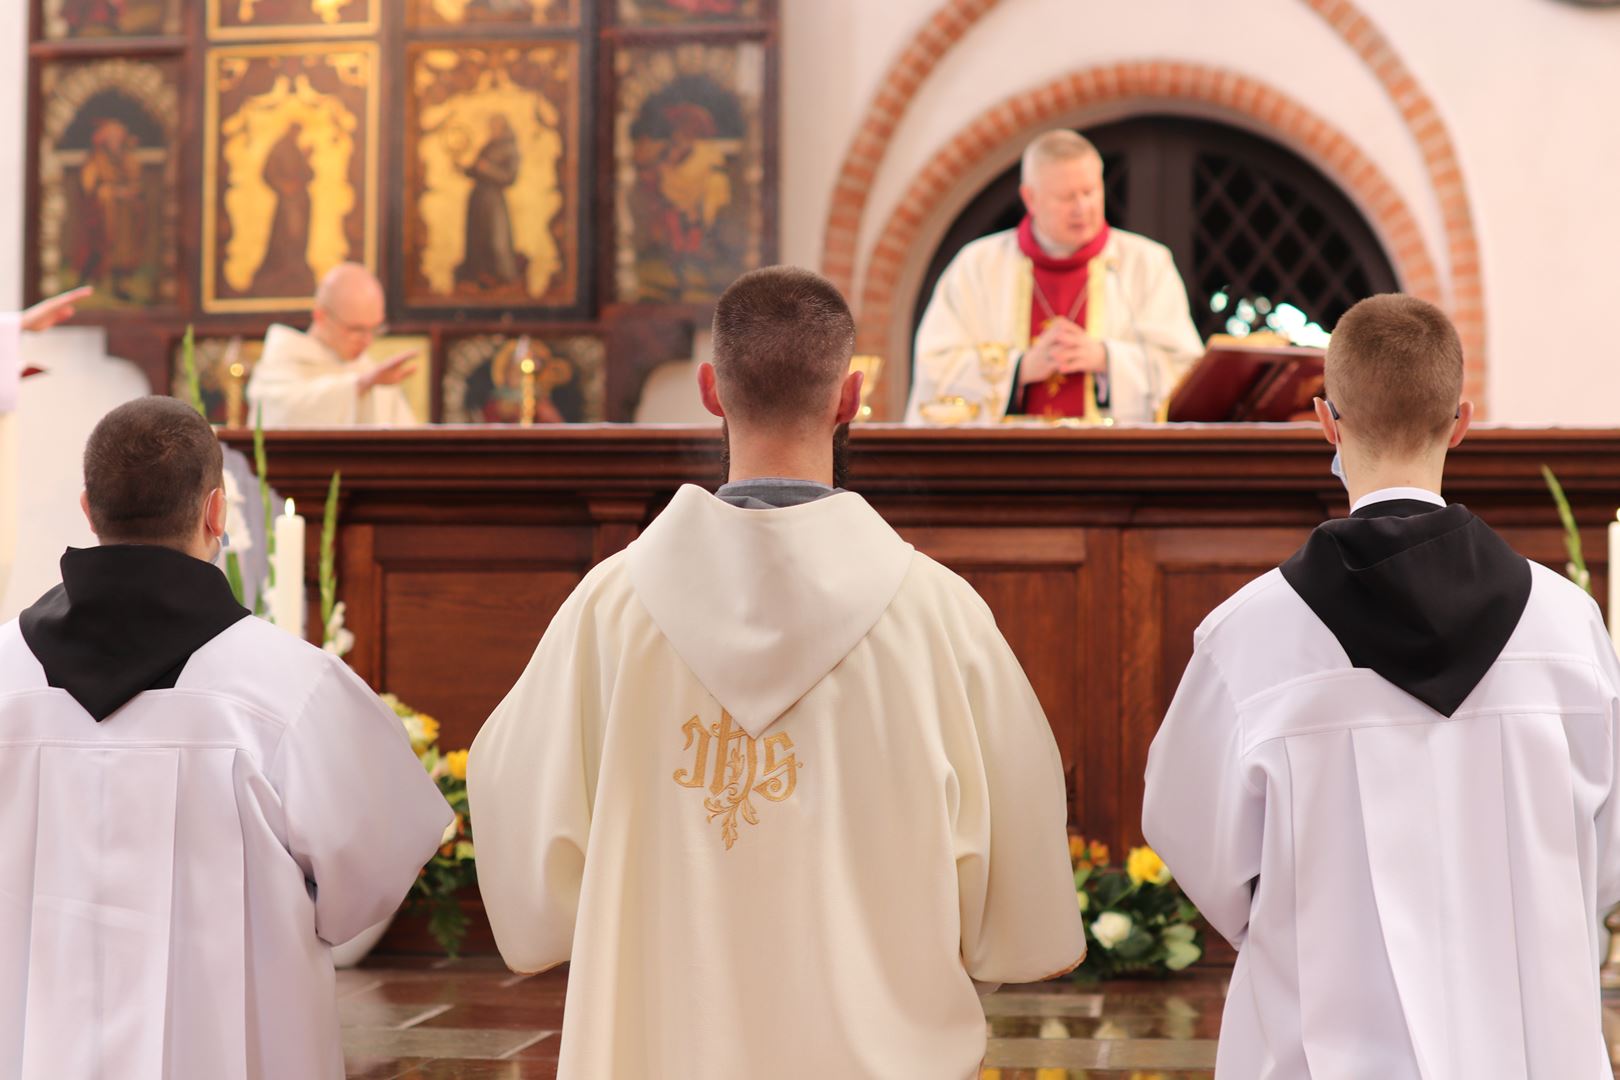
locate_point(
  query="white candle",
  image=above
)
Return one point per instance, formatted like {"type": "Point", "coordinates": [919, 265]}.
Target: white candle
{"type": "Point", "coordinates": [287, 606]}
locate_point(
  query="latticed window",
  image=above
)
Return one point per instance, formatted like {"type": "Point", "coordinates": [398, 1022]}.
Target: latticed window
{"type": "Point", "coordinates": [1262, 239]}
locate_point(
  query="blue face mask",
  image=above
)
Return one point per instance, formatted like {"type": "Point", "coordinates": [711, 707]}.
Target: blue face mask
{"type": "Point", "coordinates": [1338, 469]}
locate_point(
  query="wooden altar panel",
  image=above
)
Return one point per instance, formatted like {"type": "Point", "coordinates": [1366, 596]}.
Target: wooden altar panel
{"type": "Point", "coordinates": [1041, 584]}
{"type": "Point", "coordinates": [1170, 580]}
{"type": "Point", "coordinates": [458, 610]}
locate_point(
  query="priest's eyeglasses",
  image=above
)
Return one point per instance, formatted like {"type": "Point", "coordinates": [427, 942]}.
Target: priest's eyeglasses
{"type": "Point", "coordinates": [379, 330]}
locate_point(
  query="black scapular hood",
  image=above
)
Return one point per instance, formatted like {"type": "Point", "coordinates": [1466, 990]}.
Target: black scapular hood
{"type": "Point", "coordinates": [125, 619]}
{"type": "Point", "coordinates": [1424, 596]}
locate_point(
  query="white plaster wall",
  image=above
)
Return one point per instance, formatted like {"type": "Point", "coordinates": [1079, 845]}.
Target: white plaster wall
{"type": "Point", "coordinates": [13, 128]}
{"type": "Point", "coordinates": [1526, 88]}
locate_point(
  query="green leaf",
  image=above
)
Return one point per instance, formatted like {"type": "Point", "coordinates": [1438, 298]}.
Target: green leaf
{"type": "Point", "coordinates": [328, 575]}
{"type": "Point", "coordinates": [1572, 534]}
{"type": "Point", "coordinates": [188, 365]}
{"type": "Point", "coordinates": [261, 466]}
{"type": "Point", "coordinates": [233, 574]}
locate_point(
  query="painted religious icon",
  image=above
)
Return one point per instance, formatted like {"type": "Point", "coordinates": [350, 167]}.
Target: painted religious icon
{"type": "Point", "coordinates": [689, 151]}
{"type": "Point", "coordinates": [290, 172]}
{"type": "Point", "coordinates": [665, 12]}
{"type": "Point", "coordinates": [483, 379]}
{"type": "Point", "coordinates": [110, 18]}
{"type": "Point", "coordinates": [492, 186]}
{"type": "Point", "coordinates": [108, 208]}
{"type": "Point", "coordinates": [440, 13]}
{"type": "Point", "coordinates": [304, 19]}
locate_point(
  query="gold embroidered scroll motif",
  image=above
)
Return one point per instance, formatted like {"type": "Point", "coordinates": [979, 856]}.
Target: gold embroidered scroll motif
{"type": "Point", "coordinates": [738, 773]}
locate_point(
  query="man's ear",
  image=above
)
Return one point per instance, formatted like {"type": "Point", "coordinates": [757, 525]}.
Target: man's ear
{"type": "Point", "coordinates": [214, 511]}
{"type": "Point", "coordinates": [84, 504]}
{"type": "Point", "coordinates": [707, 390]}
{"type": "Point", "coordinates": [1330, 426]}
{"type": "Point", "coordinates": [849, 398]}
{"type": "Point", "coordinates": [1465, 417]}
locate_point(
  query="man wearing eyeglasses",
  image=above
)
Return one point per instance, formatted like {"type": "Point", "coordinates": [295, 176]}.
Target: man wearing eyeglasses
{"type": "Point", "coordinates": [318, 378]}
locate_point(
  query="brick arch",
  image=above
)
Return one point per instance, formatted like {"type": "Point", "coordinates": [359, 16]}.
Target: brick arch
{"type": "Point", "coordinates": [1272, 111]}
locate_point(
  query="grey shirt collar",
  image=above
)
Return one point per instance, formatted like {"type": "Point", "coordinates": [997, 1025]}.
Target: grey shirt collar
{"type": "Point", "coordinates": [773, 493]}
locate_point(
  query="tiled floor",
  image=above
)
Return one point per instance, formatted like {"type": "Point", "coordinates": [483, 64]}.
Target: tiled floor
{"type": "Point", "coordinates": [472, 1020]}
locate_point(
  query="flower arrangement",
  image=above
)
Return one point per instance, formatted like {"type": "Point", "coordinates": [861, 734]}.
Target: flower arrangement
{"type": "Point", "coordinates": [451, 869]}
{"type": "Point", "coordinates": [1138, 922]}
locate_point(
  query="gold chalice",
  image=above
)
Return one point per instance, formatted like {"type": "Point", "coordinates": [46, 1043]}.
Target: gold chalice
{"type": "Point", "coordinates": [949, 410]}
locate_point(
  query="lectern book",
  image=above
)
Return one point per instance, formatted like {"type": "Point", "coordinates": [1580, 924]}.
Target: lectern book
{"type": "Point", "coordinates": [1236, 383]}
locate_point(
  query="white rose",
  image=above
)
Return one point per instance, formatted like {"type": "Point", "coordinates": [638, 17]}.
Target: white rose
{"type": "Point", "coordinates": [1111, 928]}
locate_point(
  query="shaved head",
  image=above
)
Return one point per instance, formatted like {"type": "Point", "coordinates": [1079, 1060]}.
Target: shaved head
{"type": "Point", "coordinates": [349, 310]}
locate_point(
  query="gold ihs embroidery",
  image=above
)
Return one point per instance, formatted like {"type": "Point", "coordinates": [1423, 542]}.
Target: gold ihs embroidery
{"type": "Point", "coordinates": [738, 773]}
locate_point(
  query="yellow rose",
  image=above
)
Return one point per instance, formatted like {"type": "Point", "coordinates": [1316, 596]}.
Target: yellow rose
{"type": "Point", "coordinates": [1146, 868]}
{"type": "Point", "coordinates": [430, 726]}
{"type": "Point", "coordinates": [1098, 856]}
{"type": "Point", "coordinates": [456, 762]}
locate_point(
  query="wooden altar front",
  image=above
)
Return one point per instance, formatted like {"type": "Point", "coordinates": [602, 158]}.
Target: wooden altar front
{"type": "Point", "coordinates": [1099, 550]}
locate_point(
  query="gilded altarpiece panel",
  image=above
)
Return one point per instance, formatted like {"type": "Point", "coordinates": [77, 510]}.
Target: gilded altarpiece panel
{"type": "Point", "coordinates": [63, 19]}
{"type": "Point", "coordinates": [108, 182]}
{"type": "Point", "coordinates": [689, 150]}
{"type": "Point", "coordinates": [261, 20]}
{"type": "Point", "coordinates": [492, 186]}
{"type": "Point", "coordinates": [290, 171]}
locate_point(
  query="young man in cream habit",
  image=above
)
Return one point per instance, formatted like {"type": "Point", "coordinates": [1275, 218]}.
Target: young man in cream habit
{"type": "Point", "coordinates": [773, 781]}
{"type": "Point", "coordinates": [1389, 776]}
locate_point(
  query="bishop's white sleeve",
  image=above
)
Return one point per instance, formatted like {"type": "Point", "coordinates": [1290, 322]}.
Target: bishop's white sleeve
{"type": "Point", "coordinates": [529, 780]}
{"type": "Point", "coordinates": [362, 815]}
{"type": "Point", "coordinates": [947, 350]}
{"type": "Point", "coordinates": [1020, 919]}
{"type": "Point", "coordinates": [1200, 812]}
{"type": "Point", "coordinates": [1152, 341]}
{"type": "Point", "coordinates": [10, 361]}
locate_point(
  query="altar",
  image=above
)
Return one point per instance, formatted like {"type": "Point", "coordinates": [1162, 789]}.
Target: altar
{"type": "Point", "coordinates": [1099, 549]}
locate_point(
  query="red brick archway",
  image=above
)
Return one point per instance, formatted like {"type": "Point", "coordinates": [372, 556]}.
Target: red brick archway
{"type": "Point", "coordinates": [1160, 83]}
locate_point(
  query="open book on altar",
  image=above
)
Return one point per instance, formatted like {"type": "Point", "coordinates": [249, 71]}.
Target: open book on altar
{"type": "Point", "coordinates": [1240, 382]}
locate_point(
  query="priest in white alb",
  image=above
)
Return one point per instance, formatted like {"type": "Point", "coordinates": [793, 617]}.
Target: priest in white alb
{"type": "Point", "coordinates": [1062, 316]}
{"type": "Point", "coordinates": [321, 377]}
{"type": "Point", "coordinates": [1391, 774]}
{"type": "Point", "coordinates": [196, 804]}
{"type": "Point", "coordinates": [773, 781]}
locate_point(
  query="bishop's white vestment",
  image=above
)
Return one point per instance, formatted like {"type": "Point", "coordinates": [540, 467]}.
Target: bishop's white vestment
{"type": "Point", "coordinates": [300, 383]}
{"type": "Point", "coordinates": [778, 788]}
{"type": "Point", "coordinates": [984, 298]}
{"type": "Point", "coordinates": [1390, 779]}
{"type": "Point", "coordinates": [178, 860]}
{"type": "Point", "coordinates": [10, 378]}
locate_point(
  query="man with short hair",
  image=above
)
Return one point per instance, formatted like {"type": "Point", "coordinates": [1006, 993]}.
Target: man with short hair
{"type": "Point", "coordinates": [1389, 777]}
{"type": "Point", "coordinates": [320, 378]}
{"type": "Point", "coordinates": [1060, 317]}
{"type": "Point", "coordinates": [773, 781]}
{"type": "Point", "coordinates": [195, 803]}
